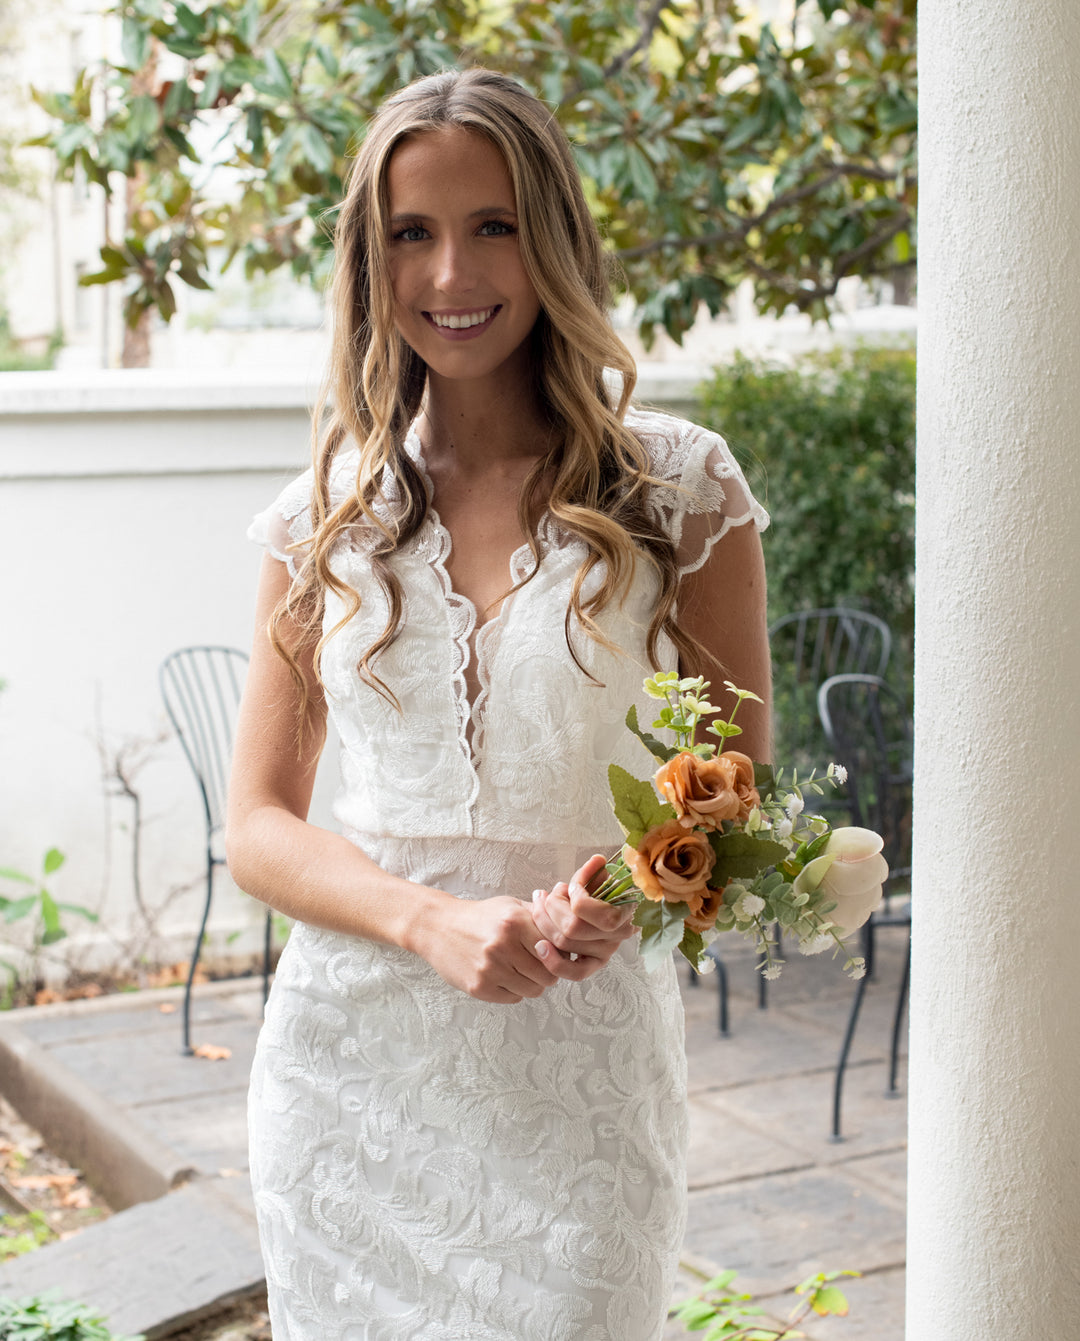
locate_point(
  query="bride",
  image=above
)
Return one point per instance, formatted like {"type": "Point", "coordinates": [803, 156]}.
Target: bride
{"type": "Point", "coordinates": [468, 1104]}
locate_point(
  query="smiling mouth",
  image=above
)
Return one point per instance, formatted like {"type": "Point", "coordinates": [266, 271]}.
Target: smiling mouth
{"type": "Point", "coordinates": [461, 321]}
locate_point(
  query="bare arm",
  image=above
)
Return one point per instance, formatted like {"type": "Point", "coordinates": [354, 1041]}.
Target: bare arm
{"type": "Point", "coordinates": [722, 605]}
{"type": "Point", "coordinates": [486, 948]}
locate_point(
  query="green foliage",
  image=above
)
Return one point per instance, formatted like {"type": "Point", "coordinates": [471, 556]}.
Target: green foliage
{"type": "Point", "coordinates": [829, 448]}
{"type": "Point", "coordinates": [47, 1318]}
{"type": "Point", "coordinates": [724, 1315]}
{"type": "Point", "coordinates": [34, 901]}
{"type": "Point", "coordinates": [22, 1234]}
{"type": "Point", "coordinates": [712, 148]}
{"type": "Point", "coordinates": [15, 359]}
{"type": "Point", "coordinates": [636, 805]}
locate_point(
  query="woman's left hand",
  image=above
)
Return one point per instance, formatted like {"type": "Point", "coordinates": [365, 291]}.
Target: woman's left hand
{"type": "Point", "coordinates": [580, 933]}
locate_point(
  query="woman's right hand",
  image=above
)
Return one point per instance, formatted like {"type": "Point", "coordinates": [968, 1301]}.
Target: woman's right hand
{"type": "Point", "coordinates": [486, 948]}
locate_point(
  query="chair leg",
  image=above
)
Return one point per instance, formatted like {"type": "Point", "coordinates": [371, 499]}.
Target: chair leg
{"type": "Point", "coordinates": [901, 1001]}
{"type": "Point", "coordinates": [187, 1050]}
{"type": "Point", "coordinates": [849, 1033]}
{"type": "Point", "coordinates": [266, 954]}
{"type": "Point", "coordinates": [845, 1049]}
{"type": "Point", "coordinates": [722, 998]}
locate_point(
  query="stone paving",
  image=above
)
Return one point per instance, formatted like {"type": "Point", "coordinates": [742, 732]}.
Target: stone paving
{"type": "Point", "coordinates": [770, 1195]}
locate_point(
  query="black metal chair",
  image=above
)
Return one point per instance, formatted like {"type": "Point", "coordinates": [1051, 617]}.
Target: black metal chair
{"type": "Point", "coordinates": [201, 687]}
{"type": "Point", "coordinates": [868, 727]}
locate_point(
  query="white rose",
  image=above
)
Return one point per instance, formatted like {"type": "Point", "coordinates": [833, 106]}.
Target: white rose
{"type": "Point", "coordinates": [850, 872]}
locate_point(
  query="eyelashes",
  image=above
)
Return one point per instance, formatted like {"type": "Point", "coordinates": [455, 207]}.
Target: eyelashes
{"type": "Point", "coordinates": [504, 227]}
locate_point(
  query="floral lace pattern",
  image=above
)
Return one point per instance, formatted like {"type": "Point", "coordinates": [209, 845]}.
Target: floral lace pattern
{"type": "Point", "coordinates": [428, 1167]}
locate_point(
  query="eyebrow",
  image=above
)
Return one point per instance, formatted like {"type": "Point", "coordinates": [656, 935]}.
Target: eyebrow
{"type": "Point", "coordinates": [476, 214]}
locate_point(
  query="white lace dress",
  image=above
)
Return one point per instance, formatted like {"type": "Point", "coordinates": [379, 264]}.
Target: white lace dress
{"type": "Point", "coordinates": [430, 1167]}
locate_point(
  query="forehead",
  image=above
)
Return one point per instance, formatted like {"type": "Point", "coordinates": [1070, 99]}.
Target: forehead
{"type": "Point", "coordinates": [447, 164]}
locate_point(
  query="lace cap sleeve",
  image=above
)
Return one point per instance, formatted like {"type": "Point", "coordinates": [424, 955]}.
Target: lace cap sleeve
{"type": "Point", "coordinates": [709, 494]}
{"type": "Point", "coordinates": [286, 521]}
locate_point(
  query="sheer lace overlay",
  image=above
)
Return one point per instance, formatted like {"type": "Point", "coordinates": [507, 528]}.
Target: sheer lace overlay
{"type": "Point", "coordinates": [428, 1167]}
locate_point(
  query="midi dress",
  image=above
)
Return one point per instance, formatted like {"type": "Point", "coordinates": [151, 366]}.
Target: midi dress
{"type": "Point", "coordinates": [426, 1166]}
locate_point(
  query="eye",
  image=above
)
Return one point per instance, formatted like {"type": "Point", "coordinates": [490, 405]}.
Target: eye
{"type": "Point", "coordinates": [499, 226]}
{"type": "Point", "coordinates": [410, 233]}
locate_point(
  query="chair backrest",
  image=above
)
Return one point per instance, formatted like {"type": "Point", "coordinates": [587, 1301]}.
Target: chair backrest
{"type": "Point", "coordinates": [807, 648]}
{"type": "Point", "coordinates": [868, 728]}
{"type": "Point", "coordinates": [201, 687]}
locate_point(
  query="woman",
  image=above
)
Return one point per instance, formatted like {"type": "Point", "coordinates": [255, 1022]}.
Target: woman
{"type": "Point", "coordinates": [467, 1112]}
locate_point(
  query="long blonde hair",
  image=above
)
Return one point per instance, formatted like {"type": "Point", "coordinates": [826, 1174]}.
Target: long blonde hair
{"type": "Point", "coordinates": [599, 471]}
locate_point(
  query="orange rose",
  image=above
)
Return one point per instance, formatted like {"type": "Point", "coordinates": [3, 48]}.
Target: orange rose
{"type": "Point", "coordinates": [704, 919]}
{"type": "Point", "coordinates": [671, 864]}
{"type": "Point", "coordinates": [706, 791]}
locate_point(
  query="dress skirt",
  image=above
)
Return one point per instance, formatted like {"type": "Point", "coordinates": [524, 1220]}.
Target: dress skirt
{"type": "Point", "coordinates": [428, 1167]}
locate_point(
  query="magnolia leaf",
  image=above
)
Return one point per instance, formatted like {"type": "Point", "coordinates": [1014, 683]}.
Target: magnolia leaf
{"type": "Point", "coordinates": [740, 856]}
{"type": "Point", "coordinates": [637, 807]}
{"type": "Point", "coordinates": [654, 746]}
{"type": "Point", "coordinates": [662, 929]}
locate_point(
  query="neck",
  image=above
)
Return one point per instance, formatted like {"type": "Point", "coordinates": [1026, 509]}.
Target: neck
{"type": "Point", "coordinates": [486, 421]}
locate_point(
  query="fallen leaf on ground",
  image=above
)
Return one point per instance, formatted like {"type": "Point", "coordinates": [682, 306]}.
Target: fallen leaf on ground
{"type": "Point", "coordinates": [78, 1199]}
{"type": "Point", "coordinates": [167, 1008]}
{"type": "Point", "coordinates": [46, 997]}
{"type": "Point", "coordinates": [37, 1181]}
{"type": "Point", "coordinates": [230, 1173]}
{"type": "Point", "coordinates": [213, 1052]}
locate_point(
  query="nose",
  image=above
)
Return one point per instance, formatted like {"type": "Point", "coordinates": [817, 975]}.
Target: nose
{"type": "Point", "coordinates": [455, 267]}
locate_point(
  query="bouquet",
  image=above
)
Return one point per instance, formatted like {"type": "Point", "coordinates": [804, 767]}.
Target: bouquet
{"type": "Point", "coordinates": [716, 842]}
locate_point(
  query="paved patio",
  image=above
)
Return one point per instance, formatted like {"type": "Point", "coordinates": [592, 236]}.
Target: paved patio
{"type": "Point", "coordinates": [770, 1195]}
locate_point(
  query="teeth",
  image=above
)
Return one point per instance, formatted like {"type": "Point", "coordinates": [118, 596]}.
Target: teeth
{"type": "Point", "coordinates": [461, 323]}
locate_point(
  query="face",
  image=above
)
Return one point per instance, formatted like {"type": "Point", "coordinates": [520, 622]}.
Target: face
{"type": "Point", "coordinates": [462, 298]}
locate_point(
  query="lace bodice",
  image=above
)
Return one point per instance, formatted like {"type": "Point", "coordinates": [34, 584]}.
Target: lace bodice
{"type": "Point", "coordinates": [529, 756]}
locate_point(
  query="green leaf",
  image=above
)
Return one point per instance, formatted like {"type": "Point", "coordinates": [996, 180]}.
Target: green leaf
{"type": "Point", "coordinates": [651, 743]}
{"type": "Point", "coordinates": [9, 873]}
{"type": "Point", "coordinates": [764, 780]}
{"type": "Point", "coordinates": [78, 909]}
{"type": "Point", "coordinates": [54, 859]}
{"type": "Point", "coordinates": [829, 1300]}
{"type": "Point", "coordinates": [662, 927]}
{"type": "Point", "coordinates": [740, 856]}
{"type": "Point", "coordinates": [50, 917]}
{"type": "Point", "coordinates": [134, 43]}
{"type": "Point", "coordinates": [16, 908]}
{"type": "Point", "coordinates": [637, 807]}
{"type": "Point", "coordinates": [692, 946]}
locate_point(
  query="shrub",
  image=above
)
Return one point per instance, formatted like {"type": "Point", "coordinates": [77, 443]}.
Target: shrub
{"type": "Point", "coordinates": [829, 448]}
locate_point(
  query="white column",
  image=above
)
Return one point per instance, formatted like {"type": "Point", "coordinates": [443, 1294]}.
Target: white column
{"type": "Point", "coordinates": [994, 1241]}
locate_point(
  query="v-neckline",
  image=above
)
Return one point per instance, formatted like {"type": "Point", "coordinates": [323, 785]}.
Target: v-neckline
{"type": "Point", "coordinates": [476, 642]}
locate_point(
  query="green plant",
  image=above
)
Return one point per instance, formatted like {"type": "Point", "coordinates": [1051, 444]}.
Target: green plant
{"type": "Point", "coordinates": [46, 1317]}
{"type": "Point", "coordinates": [39, 904]}
{"type": "Point", "coordinates": [829, 448]}
{"type": "Point", "coordinates": [21, 1233]}
{"type": "Point", "coordinates": [734, 1317]}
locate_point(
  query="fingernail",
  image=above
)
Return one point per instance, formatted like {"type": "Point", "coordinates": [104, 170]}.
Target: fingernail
{"type": "Point", "coordinates": [542, 949]}
{"type": "Point", "coordinates": [537, 894]}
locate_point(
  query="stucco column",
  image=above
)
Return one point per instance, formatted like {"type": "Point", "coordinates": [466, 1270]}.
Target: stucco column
{"type": "Point", "coordinates": [994, 1242]}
